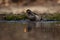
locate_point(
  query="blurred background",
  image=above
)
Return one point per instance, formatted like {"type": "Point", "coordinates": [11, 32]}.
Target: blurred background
{"type": "Point", "coordinates": [28, 2]}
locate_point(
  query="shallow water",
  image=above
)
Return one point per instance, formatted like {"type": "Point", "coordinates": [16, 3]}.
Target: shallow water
{"type": "Point", "coordinates": [41, 30]}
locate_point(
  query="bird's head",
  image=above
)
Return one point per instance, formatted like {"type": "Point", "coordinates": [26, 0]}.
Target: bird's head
{"type": "Point", "coordinates": [28, 11]}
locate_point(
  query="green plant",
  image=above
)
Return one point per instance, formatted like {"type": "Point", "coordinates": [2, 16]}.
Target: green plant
{"type": "Point", "coordinates": [55, 16]}
{"type": "Point", "coordinates": [16, 17]}
{"type": "Point", "coordinates": [10, 17]}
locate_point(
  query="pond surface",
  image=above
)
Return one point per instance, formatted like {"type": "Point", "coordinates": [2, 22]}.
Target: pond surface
{"type": "Point", "coordinates": [40, 30]}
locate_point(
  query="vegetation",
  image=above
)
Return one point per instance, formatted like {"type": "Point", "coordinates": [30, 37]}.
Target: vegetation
{"type": "Point", "coordinates": [22, 16]}
{"type": "Point", "coordinates": [15, 17]}
{"type": "Point", "coordinates": [53, 17]}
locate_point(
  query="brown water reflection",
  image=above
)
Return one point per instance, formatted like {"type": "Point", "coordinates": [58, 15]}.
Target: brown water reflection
{"type": "Point", "coordinates": [40, 31]}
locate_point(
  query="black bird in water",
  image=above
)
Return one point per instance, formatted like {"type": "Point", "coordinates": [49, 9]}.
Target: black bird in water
{"type": "Point", "coordinates": [32, 17]}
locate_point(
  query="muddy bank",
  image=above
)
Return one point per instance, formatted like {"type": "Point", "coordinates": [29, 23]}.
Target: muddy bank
{"type": "Point", "coordinates": [37, 9]}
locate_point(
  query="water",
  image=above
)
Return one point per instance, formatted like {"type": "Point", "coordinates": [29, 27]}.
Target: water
{"type": "Point", "coordinates": [40, 30]}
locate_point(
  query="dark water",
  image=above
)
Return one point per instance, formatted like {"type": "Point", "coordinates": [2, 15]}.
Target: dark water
{"type": "Point", "coordinates": [41, 30]}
